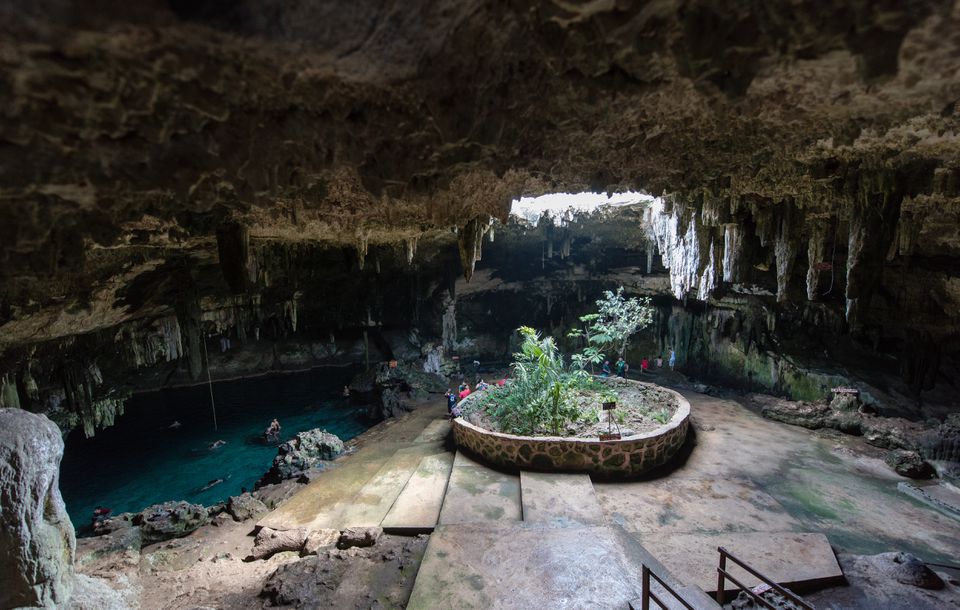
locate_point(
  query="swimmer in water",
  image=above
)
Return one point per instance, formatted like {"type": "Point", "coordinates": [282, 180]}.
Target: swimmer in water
{"type": "Point", "coordinates": [211, 483]}
{"type": "Point", "coordinates": [217, 444]}
{"type": "Point", "coordinates": [176, 424]}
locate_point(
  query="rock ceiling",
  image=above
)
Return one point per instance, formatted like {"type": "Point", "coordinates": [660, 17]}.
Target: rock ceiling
{"type": "Point", "coordinates": [131, 131]}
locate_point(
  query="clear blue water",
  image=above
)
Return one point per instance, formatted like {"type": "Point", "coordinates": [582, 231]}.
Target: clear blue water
{"type": "Point", "coordinates": [142, 461]}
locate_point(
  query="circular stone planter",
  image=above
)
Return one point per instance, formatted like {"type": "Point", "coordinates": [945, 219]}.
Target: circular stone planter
{"type": "Point", "coordinates": [628, 456]}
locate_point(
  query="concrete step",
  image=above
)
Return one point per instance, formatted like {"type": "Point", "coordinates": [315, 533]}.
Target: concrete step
{"type": "Point", "coordinates": [373, 501]}
{"type": "Point", "coordinates": [437, 431]}
{"type": "Point", "coordinates": [417, 508]}
{"type": "Point", "coordinates": [796, 560]}
{"type": "Point", "coordinates": [531, 565]}
{"type": "Point", "coordinates": [560, 499]}
{"type": "Point", "coordinates": [310, 507]}
{"type": "Point", "coordinates": [476, 493]}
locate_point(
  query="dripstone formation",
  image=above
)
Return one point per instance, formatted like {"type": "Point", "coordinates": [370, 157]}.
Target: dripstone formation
{"type": "Point", "coordinates": [293, 181]}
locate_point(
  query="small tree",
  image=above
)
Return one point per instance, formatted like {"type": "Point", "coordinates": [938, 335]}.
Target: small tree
{"type": "Point", "coordinates": [617, 320]}
{"type": "Point", "coordinates": [591, 355]}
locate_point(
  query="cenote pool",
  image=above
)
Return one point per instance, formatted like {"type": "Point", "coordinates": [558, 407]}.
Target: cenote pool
{"type": "Point", "coordinates": [142, 460]}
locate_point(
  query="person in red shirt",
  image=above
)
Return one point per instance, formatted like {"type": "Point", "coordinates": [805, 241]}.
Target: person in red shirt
{"type": "Point", "coordinates": [644, 366]}
{"type": "Point", "coordinates": [465, 392]}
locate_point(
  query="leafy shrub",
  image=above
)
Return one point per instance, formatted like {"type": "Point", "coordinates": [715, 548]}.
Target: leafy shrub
{"type": "Point", "coordinates": [661, 416]}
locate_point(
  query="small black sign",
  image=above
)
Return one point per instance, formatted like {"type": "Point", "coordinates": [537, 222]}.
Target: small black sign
{"type": "Point", "coordinates": [609, 406]}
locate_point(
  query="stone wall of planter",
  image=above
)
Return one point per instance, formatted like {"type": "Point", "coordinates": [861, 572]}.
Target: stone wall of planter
{"type": "Point", "coordinates": [629, 456]}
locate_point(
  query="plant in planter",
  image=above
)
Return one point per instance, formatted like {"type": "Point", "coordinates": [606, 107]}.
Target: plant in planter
{"type": "Point", "coordinates": [616, 320]}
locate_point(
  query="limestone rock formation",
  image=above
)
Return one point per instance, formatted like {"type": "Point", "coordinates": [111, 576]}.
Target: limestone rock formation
{"type": "Point", "coordinates": [319, 540]}
{"type": "Point", "coordinates": [270, 541]}
{"type": "Point", "coordinates": [909, 464]}
{"type": "Point", "coordinates": [36, 538]}
{"type": "Point", "coordinates": [359, 536]}
{"type": "Point", "coordinates": [306, 450]}
{"type": "Point", "coordinates": [245, 506]}
{"type": "Point", "coordinates": [170, 520]}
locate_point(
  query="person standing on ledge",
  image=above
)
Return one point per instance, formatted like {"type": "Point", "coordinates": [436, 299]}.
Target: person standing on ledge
{"type": "Point", "coordinates": [451, 400]}
{"type": "Point", "coordinates": [621, 368]}
{"type": "Point", "coordinates": [644, 366]}
{"type": "Point", "coordinates": [673, 359]}
{"type": "Point", "coordinates": [605, 369]}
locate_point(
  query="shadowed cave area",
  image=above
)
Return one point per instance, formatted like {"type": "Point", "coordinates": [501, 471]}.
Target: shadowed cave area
{"type": "Point", "coordinates": [267, 271]}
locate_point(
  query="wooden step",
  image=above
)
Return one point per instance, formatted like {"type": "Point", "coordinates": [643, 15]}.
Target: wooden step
{"type": "Point", "coordinates": [476, 493]}
{"type": "Point", "coordinates": [560, 499]}
{"type": "Point", "coordinates": [417, 508]}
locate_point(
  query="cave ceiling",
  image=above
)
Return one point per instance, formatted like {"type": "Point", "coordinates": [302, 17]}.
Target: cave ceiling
{"type": "Point", "coordinates": [131, 131]}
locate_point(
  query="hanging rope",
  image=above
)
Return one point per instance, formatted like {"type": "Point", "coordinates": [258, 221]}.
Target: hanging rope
{"type": "Point", "coordinates": [213, 406]}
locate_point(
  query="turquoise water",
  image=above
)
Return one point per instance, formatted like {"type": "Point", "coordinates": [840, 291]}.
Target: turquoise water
{"type": "Point", "coordinates": [142, 461]}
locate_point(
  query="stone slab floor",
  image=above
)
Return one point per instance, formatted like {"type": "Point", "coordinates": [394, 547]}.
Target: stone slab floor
{"type": "Point", "coordinates": [745, 476]}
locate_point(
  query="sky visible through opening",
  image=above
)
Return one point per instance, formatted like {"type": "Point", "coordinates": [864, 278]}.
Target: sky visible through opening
{"type": "Point", "coordinates": [562, 206]}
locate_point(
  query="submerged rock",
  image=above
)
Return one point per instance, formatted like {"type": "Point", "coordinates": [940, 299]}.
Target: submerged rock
{"type": "Point", "coordinates": [37, 540]}
{"type": "Point", "coordinates": [306, 450]}
{"type": "Point", "coordinates": [170, 520]}
{"type": "Point", "coordinates": [245, 506]}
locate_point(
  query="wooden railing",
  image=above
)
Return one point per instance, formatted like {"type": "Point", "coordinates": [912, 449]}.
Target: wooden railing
{"type": "Point", "coordinates": [648, 594]}
{"type": "Point", "coordinates": [723, 575]}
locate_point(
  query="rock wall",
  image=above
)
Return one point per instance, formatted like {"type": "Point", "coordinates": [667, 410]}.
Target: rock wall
{"type": "Point", "coordinates": [37, 540]}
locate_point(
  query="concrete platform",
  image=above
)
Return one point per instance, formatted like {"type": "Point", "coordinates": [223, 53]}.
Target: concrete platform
{"type": "Point", "coordinates": [796, 560]}
{"type": "Point", "coordinates": [437, 431]}
{"type": "Point", "coordinates": [309, 506]}
{"type": "Point", "coordinates": [496, 566]}
{"type": "Point", "coordinates": [561, 499]}
{"type": "Point", "coordinates": [478, 493]}
{"type": "Point", "coordinates": [417, 508]}
{"type": "Point", "coordinates": [681, 505]}
{"type": "Point", "coordinates": [372, 502]}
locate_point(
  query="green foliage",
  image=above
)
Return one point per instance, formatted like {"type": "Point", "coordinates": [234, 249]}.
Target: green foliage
{"type": "Point", "coordinates": [617, 320]}
{"type": "Point", "coordinates": [538, 395]}
{"type": "Point", "coordinates": [542, 393]}
{"type": "Point", "coordinates": [661, 416]}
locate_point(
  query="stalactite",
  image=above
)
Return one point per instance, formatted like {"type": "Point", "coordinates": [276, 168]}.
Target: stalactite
{"type": "Point", "coordinates": [29, 383]}
{"type": "Point", "coordinates": [712, 270]}
{"type": "Point", "coordinates": [188, 319]}
{"type": "Point", "coordinates": [449, 324]}
{"type": "Point", "coordinates": [363, 245]}
{"type": "Point", "coordinates": [732, 252]}
{"type": "Point", "coordinates": [170, 331]}
{"type": "Point", "coordinates": [469, 241]}
{"type": "Point", "coordinates": [565, 245]}
{"type": "Point", "coordinates": [9, 397]}
{"type": "Point", "coordinates": [816, 251]}
{"type": "Point", "coordinates": [785, 249]}
{"type": "Point", "coordinates": [290, 310]}
{"type": "Point", "coordinates": [411, 244]}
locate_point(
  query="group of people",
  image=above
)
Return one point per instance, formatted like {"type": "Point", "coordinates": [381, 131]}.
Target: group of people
{"type": "Point", "coordinates": [453, 398]}
{"type": "Point", "coordinates": [623, 368]}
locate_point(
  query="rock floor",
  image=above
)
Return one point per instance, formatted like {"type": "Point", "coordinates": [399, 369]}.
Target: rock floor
{"type": "Point", "coordinates": [742, 476]}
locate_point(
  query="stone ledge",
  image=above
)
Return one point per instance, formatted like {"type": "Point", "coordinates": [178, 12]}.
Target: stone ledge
{"type": "Point", "coordinates": [629, 456]}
